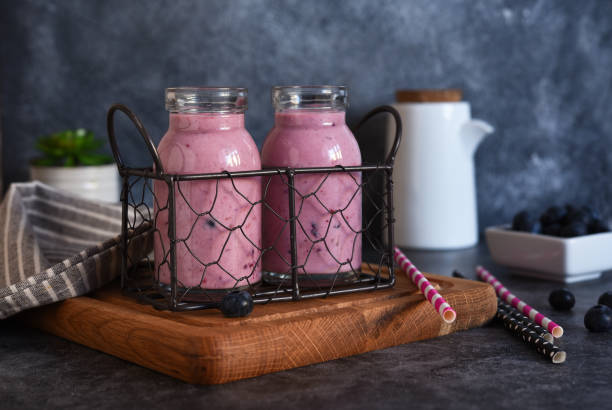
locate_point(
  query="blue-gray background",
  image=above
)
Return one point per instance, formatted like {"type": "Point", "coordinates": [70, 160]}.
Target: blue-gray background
{"type": "Point", "coordinates": [539, 71]}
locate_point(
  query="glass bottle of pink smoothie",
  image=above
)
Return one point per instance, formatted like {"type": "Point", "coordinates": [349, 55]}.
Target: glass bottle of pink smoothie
{"type": "Point", "coordinates": [310, 131]}
{"type": "Point", "coordinates": [218, 229]}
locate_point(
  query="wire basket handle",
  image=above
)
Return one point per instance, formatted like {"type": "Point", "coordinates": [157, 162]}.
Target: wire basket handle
{"type": "Point", "coordinates": [398, 129]}
{"type": "Point", "coordinates": [110, 126]}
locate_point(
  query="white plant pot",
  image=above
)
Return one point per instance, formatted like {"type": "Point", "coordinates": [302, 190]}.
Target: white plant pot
{"type": "Point", "coordinates": [99, 182]}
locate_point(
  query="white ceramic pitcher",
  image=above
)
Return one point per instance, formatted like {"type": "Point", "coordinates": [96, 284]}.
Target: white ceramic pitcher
{"type": "Point", "coordinates": [434, 190]}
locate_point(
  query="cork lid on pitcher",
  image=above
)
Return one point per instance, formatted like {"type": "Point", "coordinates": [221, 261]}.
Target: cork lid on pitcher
{"type": "Point", "coordinates": [427, 96]}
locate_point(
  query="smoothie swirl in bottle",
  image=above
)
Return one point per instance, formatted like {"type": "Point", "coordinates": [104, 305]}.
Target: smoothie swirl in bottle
{"type": "Point", "coordinates": [310, 131]}
{"type": "Point", "coordinates": [218, 229]}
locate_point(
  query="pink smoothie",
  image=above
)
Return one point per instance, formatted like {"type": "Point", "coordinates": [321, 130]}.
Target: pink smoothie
{"type": "Point", "coordinates": [328, 223]}
{"type": "Point", "coordinates": [203, 143]}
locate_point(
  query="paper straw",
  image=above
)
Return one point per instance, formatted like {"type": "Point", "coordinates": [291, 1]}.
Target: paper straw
{"type": "Point", "coordinates": [512, 300]}
{"type": "Point", "coordinates": [431, 294]}
{"type": "Point", "coordinates": [525, 321]}
{"type": "Point", "coordinates": [554, 353]}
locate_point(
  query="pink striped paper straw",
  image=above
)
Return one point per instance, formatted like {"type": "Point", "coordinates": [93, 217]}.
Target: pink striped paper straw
{"type": "Point", "coordinates": [431, 294]}
{"type": "Point", "coordinates": [504, 294]}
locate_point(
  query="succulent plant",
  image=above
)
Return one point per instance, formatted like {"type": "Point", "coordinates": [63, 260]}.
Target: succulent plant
{"type": "Point", "coordinates": [71, 148]}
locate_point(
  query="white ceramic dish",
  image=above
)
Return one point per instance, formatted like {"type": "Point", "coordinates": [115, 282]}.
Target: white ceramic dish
{"type": "Point", "coordinates": [566, 260]}
{"type": "Point", "coordinates": [96, 182]}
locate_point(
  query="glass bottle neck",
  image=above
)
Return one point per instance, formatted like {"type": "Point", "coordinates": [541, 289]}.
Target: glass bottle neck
{"type": "Point", "coordinates": [310, 118]}
{"type": "Point", "coordinates": [206, 122]}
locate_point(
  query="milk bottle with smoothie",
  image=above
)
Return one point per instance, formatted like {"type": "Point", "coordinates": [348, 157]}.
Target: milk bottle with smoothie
{"type": "Point", "coordinates": [310, 131]}
{"type": "Point", "coordinates": [218, 230]}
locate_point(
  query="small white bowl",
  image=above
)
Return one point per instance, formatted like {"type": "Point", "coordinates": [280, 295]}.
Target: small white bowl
{"type": "Point", "coordinates": [566, 260]}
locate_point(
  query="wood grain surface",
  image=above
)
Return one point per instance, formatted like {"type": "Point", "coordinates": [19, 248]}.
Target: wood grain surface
{"type": "Point", "coordinates": [206, 348]}
{"type": "Point", "coordinates": [425, 96]}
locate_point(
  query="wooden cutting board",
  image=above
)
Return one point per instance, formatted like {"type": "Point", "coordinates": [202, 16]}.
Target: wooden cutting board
{"type": "Point", "coordinates": [205, 347]}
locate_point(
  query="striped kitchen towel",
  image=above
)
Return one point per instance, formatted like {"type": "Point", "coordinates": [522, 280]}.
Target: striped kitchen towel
{"type": "Point", "coordinates": [56, 246]}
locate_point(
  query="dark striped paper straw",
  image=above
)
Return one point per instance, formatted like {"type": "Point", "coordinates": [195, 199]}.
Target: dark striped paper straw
{"type": "Point", "coordinates": [531, 338]}
{"type": "Point", "coordinates": [525, 321]}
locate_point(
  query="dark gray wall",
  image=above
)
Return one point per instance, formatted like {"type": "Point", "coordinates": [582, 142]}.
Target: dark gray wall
{"type": "Point", "coordinates": [540, 71]}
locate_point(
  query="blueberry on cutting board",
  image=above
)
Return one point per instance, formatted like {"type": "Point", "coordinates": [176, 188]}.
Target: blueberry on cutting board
{"type": "Point", "coordinates": [606, 299]}
{"type": "Point", "coordinates": [561, 299]}
{"type": "Point", "coordinates": [598, 319]}
{"type": "Point", "coordinates": [237, 304]}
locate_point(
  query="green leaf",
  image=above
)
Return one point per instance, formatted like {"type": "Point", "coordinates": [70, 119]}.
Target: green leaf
{"type": "Point", "coordinates": [70, 162]}
{"type": "Point", "coordinates": [95, 144]}
{"type": "Point", "coordinates": [95, 159]}
{"type": "Point", "coordinates": [70, 148]}
{"type": "Point", "coordinates": [44, 162]}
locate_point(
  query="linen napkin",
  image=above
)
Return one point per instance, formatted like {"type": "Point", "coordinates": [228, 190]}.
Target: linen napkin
{"type": "Point", "coordinates": [55, 246]}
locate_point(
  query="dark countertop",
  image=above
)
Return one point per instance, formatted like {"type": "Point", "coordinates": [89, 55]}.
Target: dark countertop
{"type": "Point", "coordinates": [478, 368]}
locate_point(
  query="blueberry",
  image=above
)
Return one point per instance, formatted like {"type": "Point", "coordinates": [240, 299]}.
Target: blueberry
{"type": "Point", "coordinates": [524, 222]}
{"type": "Point", "coordinates": [570, 209]}
{"type": "Point", "coordinates": [574, 229]}
{"type": "Point", "coordinates": [598, 226]}
{"type": "Point", "coordinates": [537, 227]}
{"type": "Point", "coordinates": [237, 304]}
{"type": "Point", "coordinates": [598, 319]}
{"type": "Point", "coordinates": [519, 220]}
{"type": "Point", "coordinates": [553, 215]}
{"type": "Point", "coordinates": [578, 216]}
{"type": "Point", "coordinates": [458, 274]}
{"type": "Point", "coordinates": [552, 229]}
{"type": "Point", "coordinates": [561, 299]}
{"type": "Point", "coordinates": [593, 214]}
{"type": "Point", "coordinates": [606, 299]}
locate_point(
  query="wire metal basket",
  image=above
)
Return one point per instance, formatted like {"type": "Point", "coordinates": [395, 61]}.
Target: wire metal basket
{"type": "Point", "coordinates": [146, 208]}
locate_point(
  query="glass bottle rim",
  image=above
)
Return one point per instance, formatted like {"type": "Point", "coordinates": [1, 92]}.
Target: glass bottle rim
{"type": "Point", "coordinates": [223, 100]}
{"type": "Point", "coordinates": [310, 97]}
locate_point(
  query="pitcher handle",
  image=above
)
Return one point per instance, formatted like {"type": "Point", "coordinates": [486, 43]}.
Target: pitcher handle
{"type": "Point", "coordinates": [110, 126]}
{"type": "Point", "coordinates": [390, 160]}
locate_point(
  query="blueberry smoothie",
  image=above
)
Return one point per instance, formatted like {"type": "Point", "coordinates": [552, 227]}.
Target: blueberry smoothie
{"type": "Point", "coordinates": [312, 133]}
{"type": "Point", "coordinates": [218, 229]}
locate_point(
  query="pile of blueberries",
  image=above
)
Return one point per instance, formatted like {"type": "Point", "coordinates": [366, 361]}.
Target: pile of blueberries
{"type": "Point", "coordinates": [567, 222]}
{"type": "Point", "coordinates": [597, 319]}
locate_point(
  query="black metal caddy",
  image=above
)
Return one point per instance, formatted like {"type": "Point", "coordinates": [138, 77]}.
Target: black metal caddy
{"type": "Point", "coordinates": [141, 278]}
